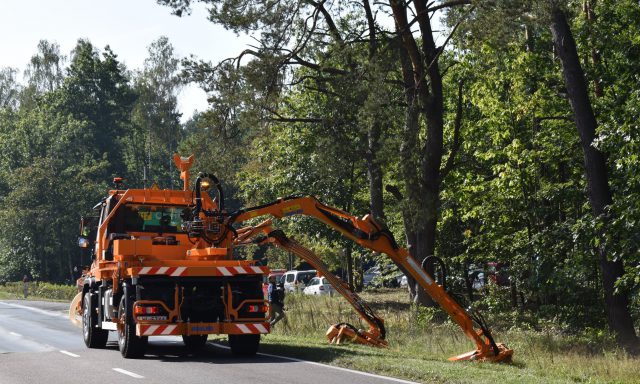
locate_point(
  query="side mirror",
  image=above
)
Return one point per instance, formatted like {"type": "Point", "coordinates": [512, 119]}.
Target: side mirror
{"type": "Point", "coordinates": [83, 242]}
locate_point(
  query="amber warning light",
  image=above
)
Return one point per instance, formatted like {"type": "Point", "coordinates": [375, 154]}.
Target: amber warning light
{"type": "Point", "coordinates": [117, 182]}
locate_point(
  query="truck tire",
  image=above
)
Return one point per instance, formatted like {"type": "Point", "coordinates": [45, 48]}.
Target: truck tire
{"type": "Point", "coordinates": [244, 345]}
{"type": "Point", "coordinates": [93, 337]}
{"type": "Point", "coordinates": [195, 343]}
{"type": "Point", "coordinates": [130, 345]}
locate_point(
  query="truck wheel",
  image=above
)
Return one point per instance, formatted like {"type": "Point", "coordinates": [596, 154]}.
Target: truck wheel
{"type": "Point", "coordinates": [130, 345]}
{"type": "Point", "coordinates": [195, 343]}
{"type": "Point", "coordinates": [244, 345]}
{"type": "Point", "coordinates": [93, 337]}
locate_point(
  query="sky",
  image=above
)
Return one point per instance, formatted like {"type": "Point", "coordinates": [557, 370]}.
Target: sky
{"type": "Point", "coordinates": [127, 26]}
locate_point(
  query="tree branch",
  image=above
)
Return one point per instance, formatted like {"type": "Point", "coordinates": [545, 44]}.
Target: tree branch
{"type": "Point", "coordinates": [441, 48]}
{"type": "Point", "coordinates": [298, 60]}
{"type": "Point", "coordinates": [448, 4]}
{"type": "Point", "coordinates": [372, 28]}
{"type": "Point", "coordinates": [392, 189]}
{"type": "Point", "coordinates": [282, 119]}
{"type": "Point", "coordinates": [333, 29]}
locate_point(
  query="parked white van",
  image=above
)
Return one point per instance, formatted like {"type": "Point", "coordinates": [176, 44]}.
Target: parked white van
{"type": "Point", "coordinates": [296, 281]}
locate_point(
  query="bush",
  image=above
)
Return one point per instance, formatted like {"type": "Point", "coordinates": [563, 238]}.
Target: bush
{"type": "Point", "coordinates": [42, 290]}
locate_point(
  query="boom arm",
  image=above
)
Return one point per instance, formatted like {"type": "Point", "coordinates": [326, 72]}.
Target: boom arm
{"type": "Point", "coordinates": [376, 333]}
{"type": "Point", "coordinates": [372, 235]}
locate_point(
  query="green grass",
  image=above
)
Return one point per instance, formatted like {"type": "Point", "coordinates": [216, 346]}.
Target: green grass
{"type": "Point", "coordinates": [38, 291]}
{"type": "Point", "coordinates": [418, 349]}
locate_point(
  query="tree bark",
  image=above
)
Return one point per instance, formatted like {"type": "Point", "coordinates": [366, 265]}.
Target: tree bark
{"type": "Point", "coordinates": [617, 305]}
{"type": "Point", "coordinates": [421, 166]}
{"type": "Point", "coordinates": [374, 171]}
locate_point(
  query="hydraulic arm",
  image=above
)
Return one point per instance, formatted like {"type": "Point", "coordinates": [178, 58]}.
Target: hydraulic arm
{"type": "Point", "coordinates": [264, 234]}
{"type": "Point", "coordinates": [372, 235]}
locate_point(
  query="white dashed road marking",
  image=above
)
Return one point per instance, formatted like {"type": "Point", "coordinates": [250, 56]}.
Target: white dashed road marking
{"type": "Point", "coordinates": [69, 353]}
{"type": "Point", "coordinates": [15, 334]}
{"type": "Point", "coordinates": [125, 372]}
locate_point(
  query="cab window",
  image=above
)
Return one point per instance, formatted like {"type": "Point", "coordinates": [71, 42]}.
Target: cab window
{"type": "Point", "coordinates": [152, 218]}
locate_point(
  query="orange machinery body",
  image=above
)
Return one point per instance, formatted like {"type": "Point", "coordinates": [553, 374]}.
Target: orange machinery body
{"type": "Point", "coordinates": [140, 256]}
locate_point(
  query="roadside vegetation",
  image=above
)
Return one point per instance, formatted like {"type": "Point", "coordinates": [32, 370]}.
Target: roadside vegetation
{"type": "Point", "coordinates": [544, 352]}
{"type": "Point", "coordinates": [38, 291]}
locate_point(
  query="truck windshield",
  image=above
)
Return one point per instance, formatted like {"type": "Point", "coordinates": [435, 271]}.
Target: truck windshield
{"type": "Point", "coordinates": [152, 218]}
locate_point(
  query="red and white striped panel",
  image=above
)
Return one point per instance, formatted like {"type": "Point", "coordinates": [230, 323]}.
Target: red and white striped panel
{"type": "Point", "coordinates": [170, 271]}
{"type": "Point", "coordinates": [158, 330]}
{"type": "Point", "coordinates": [221, 271]}
{"type": "Point", "coordinates": [248, 270]}
{"type": "Point", "coordinates": [253, 328]}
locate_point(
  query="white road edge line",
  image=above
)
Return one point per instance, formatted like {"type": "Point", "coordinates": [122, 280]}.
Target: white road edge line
{"type": "Point", "coordinates": [327, 366]}
{"type": "Point", "coordinates": [125, 372]}
{"type": "Point", "coordinates": [42, 311]}
{"type": "Point", "coordinates": [69, 353]}
{"type": "Point", "coordinates": [15, 334]}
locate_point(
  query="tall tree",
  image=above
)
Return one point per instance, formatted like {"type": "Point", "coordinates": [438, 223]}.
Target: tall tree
{"type": "Point", "coordinates": [45, 70]}
{"type": "Point", "coordinates": [599, 193]}
{"type": "Point", "coordinates": [97, 89]}
{"type": "Point", "coordinates": [421, 160]}
{"type": "Point", "coordinates": [521, 16]}
{"type": "Point", "coordinates": [156, 113]}
{"type": "Point", "coordinates": [9, 88]}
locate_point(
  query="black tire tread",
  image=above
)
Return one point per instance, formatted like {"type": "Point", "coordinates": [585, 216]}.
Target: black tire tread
{"type": "Point", "coordinates": [244, 345]}
{"type": "Point", "coordinates": [93, 337]}
{"type": "Point", "coordinates": [130, 345]}
{"type": "Point", "coordinates": [195, 343]}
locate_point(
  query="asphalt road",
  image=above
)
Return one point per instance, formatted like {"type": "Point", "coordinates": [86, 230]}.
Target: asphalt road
{"type": "Point", "coordinates": [38, 344]}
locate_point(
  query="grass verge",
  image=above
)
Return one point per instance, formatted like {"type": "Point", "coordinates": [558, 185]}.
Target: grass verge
{"type": "Point", "coordinates": [38, 291]}
{"type": "Point", "coordinates": [419, 347]}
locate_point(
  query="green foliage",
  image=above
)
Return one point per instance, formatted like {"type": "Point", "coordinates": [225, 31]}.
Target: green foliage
{"type": "Point", "coordinates": [40, 291]}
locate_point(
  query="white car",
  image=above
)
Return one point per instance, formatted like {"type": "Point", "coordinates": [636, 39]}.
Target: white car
{"type": "Point", "coordinates": [319, 286]}
{"type": "Point", "coordinates": [296, 281]}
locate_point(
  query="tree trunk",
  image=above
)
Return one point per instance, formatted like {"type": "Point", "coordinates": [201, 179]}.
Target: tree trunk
{"type": "Point", "coordinates": [349, 257]}
{"type": "Point", "coordinates": [421, 166]}
{"type": "Point", "coordinates": [374, 172]}
{"type": "Point", "coordinates": [617, 305]}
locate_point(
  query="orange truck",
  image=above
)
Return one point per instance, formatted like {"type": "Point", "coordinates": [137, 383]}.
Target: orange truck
{"type": "Point", "coordinates": [164, 264]}
{"type": "Point", "coordinates": [157, 271]}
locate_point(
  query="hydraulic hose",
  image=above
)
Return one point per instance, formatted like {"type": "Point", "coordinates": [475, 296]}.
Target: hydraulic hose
{"type": "Point", "coordinates": [220, 193]}
{"type": "Point", "coordinates": [430, 261]}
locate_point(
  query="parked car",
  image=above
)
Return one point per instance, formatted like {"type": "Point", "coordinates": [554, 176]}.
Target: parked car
{"type": "Point", "coordinates": [319, 286]}
{"type": "Point", "coordinates": [388, 277]}
{"type": "Point", "coordinates": [296, 281]}
{"type": "Point", "coordinates": [370, 275]}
